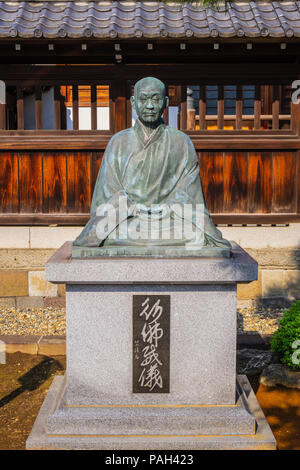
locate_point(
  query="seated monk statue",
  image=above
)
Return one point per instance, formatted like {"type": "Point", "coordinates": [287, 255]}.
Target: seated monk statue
{"type": "Point", "coordinates": [154, 171]}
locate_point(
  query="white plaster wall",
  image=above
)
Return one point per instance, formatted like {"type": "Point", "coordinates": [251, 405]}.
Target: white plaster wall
{"type": "Point", "coordinates": [247, 237]}
{"type": "Point", "coordinates": [85, 118]}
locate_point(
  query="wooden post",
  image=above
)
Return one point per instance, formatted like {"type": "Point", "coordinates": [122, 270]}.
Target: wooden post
{"type": "Point", "coordinates": [94, 107]}
{"type": "Point", "coordinates": [38, 108]}
{"type": "Point", "coordinates": [221, 108]}
{"type": "Point", "coordinates": [239, 108]}
{"type": "Point", "coordinates": [257, 108]}
{"type": "Point", "coordinates": [20, 108]}
{"type": "Point", "coordinates": [57, 116]}
{"type": "Point", "coordinates": [2, 105]}
{"type": "Point", "coordinates": [183, 108]}
{"type": "Point", "coordinates": [275, 108]}
{"type": "Point", "coordinates": [202, 108]}
{"type": "Point", "coordinates": [75, 107]}
{"type": "Point", "coordinates": [119, 105]}
{"type": "Point", "coordinates": [2, 116]}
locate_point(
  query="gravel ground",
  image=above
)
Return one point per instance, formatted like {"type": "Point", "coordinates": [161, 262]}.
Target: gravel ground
{"type": "Point", "coordinates": [32, 321]}
{"type": "Point", "coordinates": [264, 320]}
{"type": "Point", "coordinates": [52, 321]}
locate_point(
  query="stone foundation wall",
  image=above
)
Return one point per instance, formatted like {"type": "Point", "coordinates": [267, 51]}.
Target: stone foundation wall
{"type": "Point", "coordinates": [25, 250]}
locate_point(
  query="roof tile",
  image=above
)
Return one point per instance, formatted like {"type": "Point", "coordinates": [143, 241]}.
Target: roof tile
{"type": "Point", "coordinates": [148, 19]}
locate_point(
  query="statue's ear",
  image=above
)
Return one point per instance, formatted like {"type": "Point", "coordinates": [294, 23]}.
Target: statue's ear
{"type": "Point", "coordinates": [166, 101]}
{"type": "Point", "coordinates": [132, 101]}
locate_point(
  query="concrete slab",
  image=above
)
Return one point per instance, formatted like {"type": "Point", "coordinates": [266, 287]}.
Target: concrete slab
{"type": "Point", "coordinates": [26, 344]}
{"type": "Point", "coordinates": [52, 346]}
{"type": "Point", "coordinates": [62, 268]}
{"type": "Point", "coordinates": [40, 438]}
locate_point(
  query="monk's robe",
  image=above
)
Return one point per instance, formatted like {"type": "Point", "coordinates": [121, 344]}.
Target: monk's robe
{"type": "Point", "coordinates": [142, 169]}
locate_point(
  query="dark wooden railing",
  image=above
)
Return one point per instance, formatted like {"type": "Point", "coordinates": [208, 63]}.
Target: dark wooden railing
{"type": "Point", "coordinates": [248, 175]}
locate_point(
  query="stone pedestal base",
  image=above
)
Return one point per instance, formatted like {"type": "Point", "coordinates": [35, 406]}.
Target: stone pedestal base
{"type": "Point", "coordinates": [241, 426]}
{"type": "Point", "coordinates": [168, 382]}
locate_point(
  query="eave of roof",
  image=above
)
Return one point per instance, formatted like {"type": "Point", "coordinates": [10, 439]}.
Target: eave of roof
{"type": "Point", "coordinates": [149, 20]}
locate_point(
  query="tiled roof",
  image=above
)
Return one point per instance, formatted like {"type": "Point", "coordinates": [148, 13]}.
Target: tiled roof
{"type": "Point", "coordinates": [146, 19]}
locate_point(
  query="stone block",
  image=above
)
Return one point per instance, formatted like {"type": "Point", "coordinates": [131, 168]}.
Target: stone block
{"type": "Point", "coordinates": [27, 344]}
{"type": "Point", "coordinates": [13, 283]}
{"type": "Point", "coordinates": [249, 291]}
{"type": "Point", "coordinates": [52, 346]}
{"type": "Point", "coordinates": [41, 438]}
{"type": "Point", "coordinates": [202, 344]}
{"type": "Point", "coordinates": [29, 302]}
{"type": "Point", "coordinates": [61, 291]}
{"type": "Point", "coordinates": [281, 283]}
{"type": "Point", "coordinates": [286, 237]}
{"type": "Point", "coordinates": [38, 286]}
{"type": "Point", "coordinates": [7, 302]}
{"type": "Point", "coordinates": [273, 283]}
{"type": "Point", "coordinates": [55, 302]}
{"type": "Point", "coordinates": [14, 237]}
{"type": "Point", "coordinates": [24, 258]}
{"type": "Point", "coordinates": [52, 237]}
{"type": "Point", "coordinates": [292, 282]}
{"type": "Point", "coordinates": [278, 374]}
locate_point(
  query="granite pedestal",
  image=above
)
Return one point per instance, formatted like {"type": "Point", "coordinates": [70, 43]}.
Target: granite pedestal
{"type": "Point", "coordinates": [207, 407]}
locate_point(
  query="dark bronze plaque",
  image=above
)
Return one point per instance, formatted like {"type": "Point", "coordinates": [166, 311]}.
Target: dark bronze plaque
{"type": "Point", "coordinates": [151, 344]}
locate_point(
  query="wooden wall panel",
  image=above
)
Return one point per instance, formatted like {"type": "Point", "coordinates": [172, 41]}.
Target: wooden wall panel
{"type": "Point", "coordinates": [30, 182]}
{"type": "Point", "coordinates": [96, 163]}
{"type": "Point", "coordinates": [284, 182]}
{"type": "Point", "coordinates": [62, 182]}
{"type": "Point", "coordinates": [54, 182]}
{"type": "Point", "coordinates": [259, 182]}
{"type": "Point", "coordinates": [79, 182]}
{"type": "Point", "coordinates": [9, 182]}
{"type": "Point", "coordinates": [211, 171]}
{"type": "Point", "coordinates": [235, 182]}
{"type": "Point", "coordinates": [298, 182]}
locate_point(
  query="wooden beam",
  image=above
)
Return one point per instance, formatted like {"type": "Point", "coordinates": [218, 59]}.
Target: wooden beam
{"type": "Point", "coordinates": [82, 219]}
{"type": "Point", "coordinates": [173, 73]}
{"type": "Point", "coordinates": [94, 140]}
{"type": "Point", "coordinates": [2, 116]}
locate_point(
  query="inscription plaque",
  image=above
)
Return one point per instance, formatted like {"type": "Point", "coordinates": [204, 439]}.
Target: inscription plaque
{"type": "Point", "coordinates": [151, 344]}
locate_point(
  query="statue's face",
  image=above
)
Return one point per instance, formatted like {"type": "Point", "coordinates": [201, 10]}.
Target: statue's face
{"type": "Point", "coordinates": [149, 102]}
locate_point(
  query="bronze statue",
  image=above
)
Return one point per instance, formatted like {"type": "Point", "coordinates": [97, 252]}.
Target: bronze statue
{"type": "Point", "coordinates": [153, 170]}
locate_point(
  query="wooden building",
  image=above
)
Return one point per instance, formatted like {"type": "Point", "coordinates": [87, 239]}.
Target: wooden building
{"type": "Point", "coordinates": [69, 69]}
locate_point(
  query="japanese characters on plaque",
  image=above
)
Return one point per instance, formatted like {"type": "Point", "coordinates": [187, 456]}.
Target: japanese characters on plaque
{"type": "Point", "coordinates": [151, 344]}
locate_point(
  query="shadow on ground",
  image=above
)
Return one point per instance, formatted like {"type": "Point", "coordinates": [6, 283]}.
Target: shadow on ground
{"type": "Point", "coordinates": [34, 378]}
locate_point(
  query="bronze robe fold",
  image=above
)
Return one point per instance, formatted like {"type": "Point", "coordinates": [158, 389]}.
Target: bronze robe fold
{"type": "Point", "coordinates": [158, 169]}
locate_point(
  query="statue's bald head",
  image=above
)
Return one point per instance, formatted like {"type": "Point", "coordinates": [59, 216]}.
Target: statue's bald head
{"type": "Point", "coordinates": [149, 101]}
{"type": "Point", "coordinates": [150, 82]}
